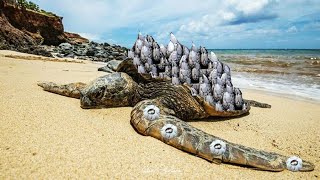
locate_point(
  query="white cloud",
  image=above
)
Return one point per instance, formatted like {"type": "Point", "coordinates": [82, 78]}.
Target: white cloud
{"type": "Point", "coordinates": [292, 29]}
{"type": "Point", "coordinates": [90, 36]}
{"type": "Point", "coordinates": [201, 21]}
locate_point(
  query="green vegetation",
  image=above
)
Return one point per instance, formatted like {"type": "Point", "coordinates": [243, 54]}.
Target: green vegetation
{"type": "Point", "coordinates": [32, 6]}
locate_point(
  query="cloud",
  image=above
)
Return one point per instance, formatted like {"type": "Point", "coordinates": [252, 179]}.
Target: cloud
{"type": "Point", "coordinates": [91, 37]}
{"type": "Point", "coordinates": [241, 19]}
{"type": "Point", "coordinates": [292, 29]}
{"type": "Point", "coordinates": [232, 13]}
{"type": "Point", "coordinates": [228, 22]}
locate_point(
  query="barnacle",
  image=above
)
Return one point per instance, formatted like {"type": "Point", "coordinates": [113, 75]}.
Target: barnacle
{"type": "Point", "coordinates": [169, 131]}
{"type": "Point", "coordinates": [218, 147]}
{"type": "Point", "coordinates": [151, 112]}
{"type": "Point", "coordinates": [294, 163]}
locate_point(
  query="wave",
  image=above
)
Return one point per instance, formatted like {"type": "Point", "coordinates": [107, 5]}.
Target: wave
{"type": "Point", "coordinates": [270, 71]}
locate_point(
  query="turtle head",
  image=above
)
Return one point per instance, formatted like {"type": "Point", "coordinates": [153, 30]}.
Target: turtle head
{"type": "Point", "coordinates": [112, 90]}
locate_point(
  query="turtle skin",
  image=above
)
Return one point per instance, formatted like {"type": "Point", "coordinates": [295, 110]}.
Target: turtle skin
{"type": "Point", "coordinates": [162, 109]}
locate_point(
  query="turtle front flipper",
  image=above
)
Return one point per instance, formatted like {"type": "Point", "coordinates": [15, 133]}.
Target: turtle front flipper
{"type": "Point", "coordinates": [153, 118]}
{"type": "Point", "coordinates": [69, 90]}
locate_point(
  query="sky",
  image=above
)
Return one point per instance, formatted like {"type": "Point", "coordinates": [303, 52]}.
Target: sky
{"type": "Point", "coordinates": [215, 24]}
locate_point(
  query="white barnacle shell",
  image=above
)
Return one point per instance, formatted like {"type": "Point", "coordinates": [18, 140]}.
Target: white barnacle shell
{"type": "Point", "coordinates": [175, 80]}
{"type": "Point", "coordinates": [217, 92]}
{"type": "Point", "coordinates": [144, 53]}
{"type": "Point", "coordinates": [218, 147]}
{"type": "Point", "coordinates": [229, 87]}
{"type": "Point", "coordinates": [219, 67]}
{"type": "Point", "coordinates": [169, 131]}
{"type": "Point", "coordinates": [185, 51]}
{"type": "Point", "coordinates": [231, 107]}
{"type": "Point", "coordinates": [179, 50]}
{"type": "Point", "coordinates": [226, 100]}
{"type": "Point", "coordinates": [136, 61]}
{"type": "Point", "coordinates": [147, 67]}
{"type": "Point", "coordinates": [156, 54]}
{"type": "Point", "coordinates": [238, 98]}
{"type": "Point", "coordinates": [204, 89]}
{"type": "Point", "coordinates": [151, 112]}
{"type": "Point", "coordinates": [192, 58]}
{"type": "Point", "coordinates": [213, 56]}
{"type": "Point", "coordinates": [193, 47]}
{"type": "Point", "coordinates": [196, 86]}
{"type": "Point", "coordinates": [184, 66]}
{"type": "Point", "coordinates": [194, 92]}
{"type": "Point", "coordinates": [294, 163]}
{"type": "Point", "coordinates": [209, 99]}
{"type": "Point", "coordinates": [175, 71]}
{"type": "Point", "coordinates": [141, 69]}
{"type": "Point", "coordinates": [205, 79]}
{"type": "Point", "coordinates": [163, 50]}
{"type": "Point", "coordinates": [226, 69]}
{"type": "Point", "coordinates": [223, 78]}
{"type": "Point", "coordinates": [130, 54]}
{"type": "Point", "coordinates": [173, 57]}
{"type": "Point", "coordinates": [140, 36]}
{"type": "Point", "coordinates": [204, 59]}
{"type": "Point", "coordinates": [154, 69]}
{"type": "Point", "coordinates": [183, 59]}
{"type": "Point", "coordinates": [170, 48]}
{"type": "Point", "coordinates": [188, 80]}
{"type": "Point", "coordinates": [195, 74]}
{"type": "Point", "coordinates": [173, 38]}
{"type": "Point", "coordinates": [138, 46]}
{"type": "Point", "coordinates": [213, 76]}
{"type": "Point", "coordinates": [219, 106]}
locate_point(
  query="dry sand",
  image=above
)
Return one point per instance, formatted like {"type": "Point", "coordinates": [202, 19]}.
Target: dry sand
{"type": "Point", "coordinates": [45, 135]}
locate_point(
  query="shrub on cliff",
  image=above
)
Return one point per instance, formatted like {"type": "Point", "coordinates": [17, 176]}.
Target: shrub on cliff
{"type": "Point", "coordinates": [31, 5]}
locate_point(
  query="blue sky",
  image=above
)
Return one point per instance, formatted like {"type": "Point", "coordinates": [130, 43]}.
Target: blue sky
{"type": "Point", "coordinates": [212, 23]}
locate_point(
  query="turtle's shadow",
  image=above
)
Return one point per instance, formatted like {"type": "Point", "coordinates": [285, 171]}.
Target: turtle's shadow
{"type": "Point", "coordinates": [218, 119]}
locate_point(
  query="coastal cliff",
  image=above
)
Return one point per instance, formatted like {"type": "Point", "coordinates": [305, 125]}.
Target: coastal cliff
{"type": "Point", "coordinates": [21, 28]}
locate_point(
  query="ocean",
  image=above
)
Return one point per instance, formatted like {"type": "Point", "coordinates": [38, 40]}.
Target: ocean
{"type": "Point", "coordinates": [291, 72]}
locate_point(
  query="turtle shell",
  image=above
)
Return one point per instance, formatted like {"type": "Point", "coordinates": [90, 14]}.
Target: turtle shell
{"type": "Point", "coordinates": [128, 67]}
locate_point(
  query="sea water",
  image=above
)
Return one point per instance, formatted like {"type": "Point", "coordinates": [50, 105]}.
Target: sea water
{"type": "Point", "coordinates": [291, 72]}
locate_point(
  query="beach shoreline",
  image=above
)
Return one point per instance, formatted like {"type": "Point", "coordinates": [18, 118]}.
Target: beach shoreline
{"type": "Point", "coordinates": [44, 135]}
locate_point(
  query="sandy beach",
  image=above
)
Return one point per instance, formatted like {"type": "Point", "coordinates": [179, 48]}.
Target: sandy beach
{"type": "Point", "coordinates": [44, 135]}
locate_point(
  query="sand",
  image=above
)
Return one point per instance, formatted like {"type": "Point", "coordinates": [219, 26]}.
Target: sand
{"type": "Point", "coordinates": [45, 135]}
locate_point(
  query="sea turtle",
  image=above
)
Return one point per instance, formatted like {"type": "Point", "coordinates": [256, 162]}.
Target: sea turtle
{"type": "Point", "coordinates": [161, 107]}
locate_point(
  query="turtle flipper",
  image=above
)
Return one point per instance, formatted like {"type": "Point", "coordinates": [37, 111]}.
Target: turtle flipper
{"type": "Point", "coordinates": [257, 104]}
{"type": "Point", "coordinates": [152, 118]}
{"type": "Point", "coordinates": [69, 90]}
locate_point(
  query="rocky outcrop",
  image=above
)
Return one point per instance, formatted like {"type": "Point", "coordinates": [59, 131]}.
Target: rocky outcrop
{"type": "Point", "coordinates": [73, 38]}
{"type": "Point", "coordinates": [21, 28]}
{"type": "Point", "coordinates": [43, 34]}
{"type": "Point", "coordinates": [90, 51]}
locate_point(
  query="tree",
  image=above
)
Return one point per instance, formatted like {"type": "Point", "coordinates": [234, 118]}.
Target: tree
{"type": "Point", "coordinates": [22, 3]}
{"type": "Point", "coordinates": [32, 6]}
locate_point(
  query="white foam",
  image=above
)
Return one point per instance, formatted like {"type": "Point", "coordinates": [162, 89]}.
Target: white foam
{"type": "Point", "coordinates": [277, 84]}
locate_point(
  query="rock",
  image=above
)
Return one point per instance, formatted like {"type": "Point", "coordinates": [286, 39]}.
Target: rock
{"type": "Point", "coordinates": [37, 50]}
{"type": "Point", "coordinates": [73, 38]}
{"type": "Point", "coordinates": [66, 47]}
{"type": "Point", "coordinates": [27, 31]}
{"type": "Point", "coordinates": [90, 52]}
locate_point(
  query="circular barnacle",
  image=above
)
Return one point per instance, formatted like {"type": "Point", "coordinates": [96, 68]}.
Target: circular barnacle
{"type": "Point", "coordinates": [151, 112]}
{"type": "Point", "coordinates": [218, 147]}
{"type": "Point", "coordinates": [169, 131]}
{"type": "Point", "coordinates": [294, 163]}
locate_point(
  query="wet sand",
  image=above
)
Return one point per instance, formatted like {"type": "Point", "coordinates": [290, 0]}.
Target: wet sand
{"type": "Point", "coordinates": [45, 135]}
